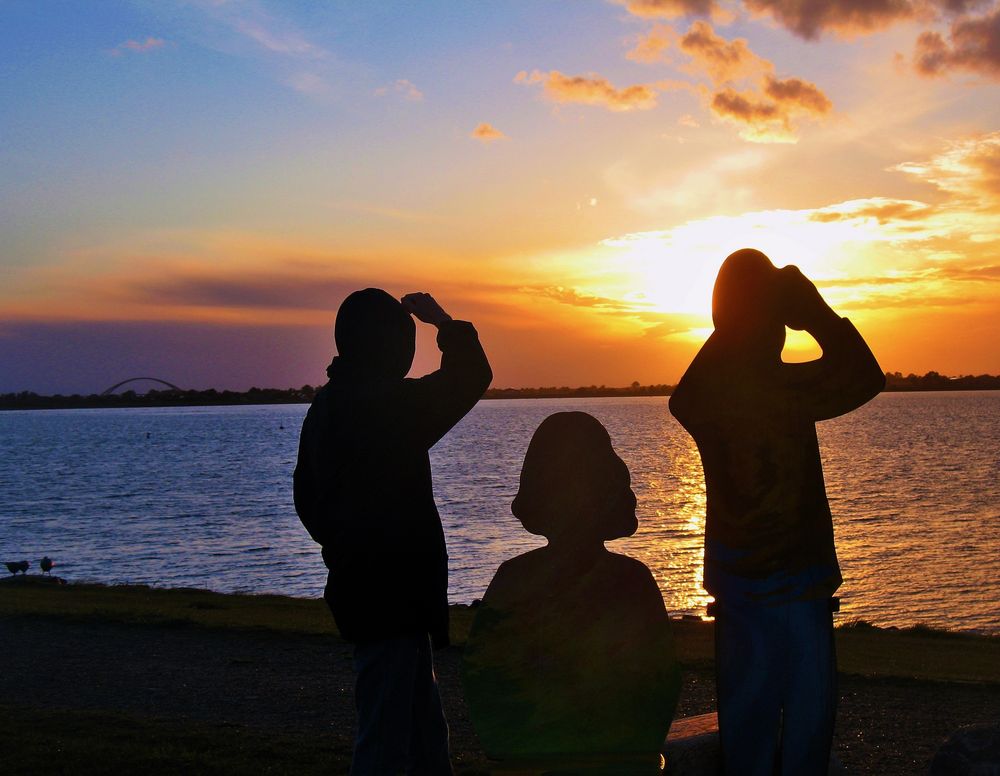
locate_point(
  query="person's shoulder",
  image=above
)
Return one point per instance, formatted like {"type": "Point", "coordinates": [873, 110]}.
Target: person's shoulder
{"type": "Point", "coordinates": [626, 564]}
{"type": "Point", "coordinates": [520, 563]}
{"type": "Point", "coordinates": [631, 574]}
{"type": "Point", "coordinates": [319, 404]}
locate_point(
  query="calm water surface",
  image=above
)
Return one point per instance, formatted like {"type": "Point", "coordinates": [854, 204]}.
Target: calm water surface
{"type": "Point", "coordinates": [201, 497]}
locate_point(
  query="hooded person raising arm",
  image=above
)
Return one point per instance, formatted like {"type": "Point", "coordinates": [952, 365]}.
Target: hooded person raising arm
{"type": "Point", "coordinates": [363, 490]}
{"type": "Point", "coordinates": [770, 560]}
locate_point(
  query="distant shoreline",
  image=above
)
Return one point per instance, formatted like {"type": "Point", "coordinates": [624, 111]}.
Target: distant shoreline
{"type": "Point", "coordinates": [895, 383]}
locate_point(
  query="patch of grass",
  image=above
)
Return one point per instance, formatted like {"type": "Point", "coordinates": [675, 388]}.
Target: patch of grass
{"type": "Point", "coordinates": [139, 604]}
{"type": "Point", "coordinates": [90, 742]}
{"type": "Point", "coordinates": [144, 605]}
{"type": "Point", "coordinates": [919, 652]}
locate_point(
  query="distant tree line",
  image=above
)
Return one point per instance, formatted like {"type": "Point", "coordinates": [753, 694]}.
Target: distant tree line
{"type": "Point", "coordinates": [26, 400]}
{"type": "Point", "coordinates": [932, 381]}
{"type": "Point", "coordinates": [635, 389]}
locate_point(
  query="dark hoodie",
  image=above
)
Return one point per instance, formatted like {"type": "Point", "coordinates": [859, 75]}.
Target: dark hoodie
{"type": "Point", "coordinates": [769, 530]}
{"type": "Point", "coordinates": [363, 483]}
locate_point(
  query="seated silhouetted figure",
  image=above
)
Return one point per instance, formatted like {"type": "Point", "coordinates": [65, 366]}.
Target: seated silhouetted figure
{"type": "Point", "coordinates": [363, 491]}
{"type": "Point", "coordinates": [570, 661]}
{"type": "Point", "coordinates": [770, 560]}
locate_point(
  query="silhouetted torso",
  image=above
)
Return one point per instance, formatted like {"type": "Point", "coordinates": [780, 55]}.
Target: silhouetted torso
{"type": "Point", "coordinates": [571, 652]}
{"type": "Point", "coordinates": [363, 488]}
{"type": "Point", "coordinates": [769, 532]}
{"type": "Point", "coordinates": [571, 655]}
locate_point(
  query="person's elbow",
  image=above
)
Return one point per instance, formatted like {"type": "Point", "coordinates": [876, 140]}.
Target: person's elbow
{"type": "Point", "coordinates": [484, 376]}
{"type": "Point", "coordinates": [867, 383]}
{"type": "Point", "coordinates": [874, 381]}
{"type": "Point", "coordinates": [679, 404]}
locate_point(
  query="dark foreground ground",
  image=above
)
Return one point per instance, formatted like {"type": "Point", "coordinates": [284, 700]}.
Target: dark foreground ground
{"type": "Point", "coordinates": [97, 679]}
{"type": "Point", "coordinates": [94, 695]}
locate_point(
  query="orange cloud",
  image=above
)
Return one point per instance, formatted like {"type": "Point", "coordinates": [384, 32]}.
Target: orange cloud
{"type": "Point", "coordinates": [575, 298]}
{"type": "Point", "coordinates": [796, 95]}
{"type": "Point", "coordinates": [137, 46]}
{"type": "Point", "coordinates": [973, 46]}
{"type": "Point", "coordinates": [882, 211]}
{"type": "Point", "coordinates": [487, 133]}
{"type": "Point", "coordinates": [969, 171]}
{"type": "Point", "coordinates": [765, 112]}
{"type": "Point", "coordinates": [722, 60]}
{"type": "Point", "coordinates": [590, 89]}
{"type": "Point", "coordinates": [652, 46]}
{"type": "Point", "coordinates": [670, 9]}
{"type": "Point", "coordinates": [762, 120]}
{"type": "Point", "coordinates": [403, 87]}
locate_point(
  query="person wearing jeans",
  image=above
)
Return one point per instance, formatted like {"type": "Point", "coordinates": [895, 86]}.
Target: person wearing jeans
{"type": "Point", "coordinates": [362, 487]}
{"type": "Point", "coordinates": [770, 560]}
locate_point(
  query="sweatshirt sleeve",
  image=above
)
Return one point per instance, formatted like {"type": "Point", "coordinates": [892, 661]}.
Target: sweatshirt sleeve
{"type": "Point", "coordinates": [844, 378]}
{"type": "Point", "coordinates": [694, 398]}
{"type": "Point", "coordinates": [445, 396]}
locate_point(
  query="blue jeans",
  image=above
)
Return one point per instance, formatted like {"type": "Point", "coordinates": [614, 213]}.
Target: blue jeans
{"type": "Point", "coordinates": [776, 676]}
{"type": "Point", "coordinates": [401, 726]}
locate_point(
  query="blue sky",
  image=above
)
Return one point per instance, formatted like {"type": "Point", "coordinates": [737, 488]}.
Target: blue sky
{"type": "Point", "coordinates": [232, 168]}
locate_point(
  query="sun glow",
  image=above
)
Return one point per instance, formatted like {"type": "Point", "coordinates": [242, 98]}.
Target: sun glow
{"type": "Point", "coordinates": [674, 270]}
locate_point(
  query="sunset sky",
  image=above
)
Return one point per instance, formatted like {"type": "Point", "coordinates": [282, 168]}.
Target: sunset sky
{"type": "Point", "coordinates": [189, 189]}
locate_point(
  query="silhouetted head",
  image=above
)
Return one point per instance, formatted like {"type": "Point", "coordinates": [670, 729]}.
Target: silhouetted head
{"type": "Point", "coordinates": [375, 334]}
{"type": "Point", "coordinates": [746, 303]}
{"type": "Point", "coordinates": [574, 487]}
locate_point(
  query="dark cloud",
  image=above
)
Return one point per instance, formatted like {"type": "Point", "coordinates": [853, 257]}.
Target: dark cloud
{"type": "Point", "coordinates": [797, 95]}
{"type": "Point", "coordinates": [745, 108]}
{"type": "Point", "coordinates": [973, 46]}
{"type": "Point", "coordinates": [810, 18]}
{"type": "Point", "coordinates": [261, 291]}
{"type": "Point", "coordinates": [769, 116]}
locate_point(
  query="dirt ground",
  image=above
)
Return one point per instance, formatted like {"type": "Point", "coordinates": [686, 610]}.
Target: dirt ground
{"type": "Point", "coordinates": [299, 683]}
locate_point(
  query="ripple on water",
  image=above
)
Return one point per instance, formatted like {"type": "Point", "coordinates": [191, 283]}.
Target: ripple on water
{"type": "Point", "coordinates": [205, 501]}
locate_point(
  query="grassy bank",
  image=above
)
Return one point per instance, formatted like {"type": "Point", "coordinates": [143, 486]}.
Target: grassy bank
{"type": "Point", "coordinates": [916, 653]}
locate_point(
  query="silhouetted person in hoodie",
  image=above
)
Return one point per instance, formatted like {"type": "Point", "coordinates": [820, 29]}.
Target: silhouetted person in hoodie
{"type": "Point", "coordinates": [770, 560]}
{"type": "Point", "coordinates": [363, 491]}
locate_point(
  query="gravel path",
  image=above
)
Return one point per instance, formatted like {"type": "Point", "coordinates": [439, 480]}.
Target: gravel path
{"type": "Point", "coordinates": [304, 683]}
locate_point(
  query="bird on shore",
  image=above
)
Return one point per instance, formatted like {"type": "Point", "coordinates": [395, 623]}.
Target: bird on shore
{"type": "Point", "coordinates": [46, 564]}
{"type": "Point", "coordinates": [17, 566]}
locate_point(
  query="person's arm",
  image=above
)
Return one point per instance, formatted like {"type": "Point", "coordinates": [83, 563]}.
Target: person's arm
{"type": "Point", "coordinates": [304, 490]}
{"type": "Point", "coordinates": [444, 397]}
{"type": "Point", "coordinates": [847, 375]}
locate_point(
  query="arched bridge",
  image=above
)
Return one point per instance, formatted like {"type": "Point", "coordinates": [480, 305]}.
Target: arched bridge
{"type": "Point", "coordinates": [116, 386]}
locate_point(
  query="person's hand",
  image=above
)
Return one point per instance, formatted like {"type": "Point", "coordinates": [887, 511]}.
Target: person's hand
{"type": "Point", "coordinates": [424, 308]}
{"type": "Point", "coordinates": [804, 308]}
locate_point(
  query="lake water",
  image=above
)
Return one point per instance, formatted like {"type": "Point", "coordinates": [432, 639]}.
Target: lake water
{"type": "Point", "coordinates": [201, 497]}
